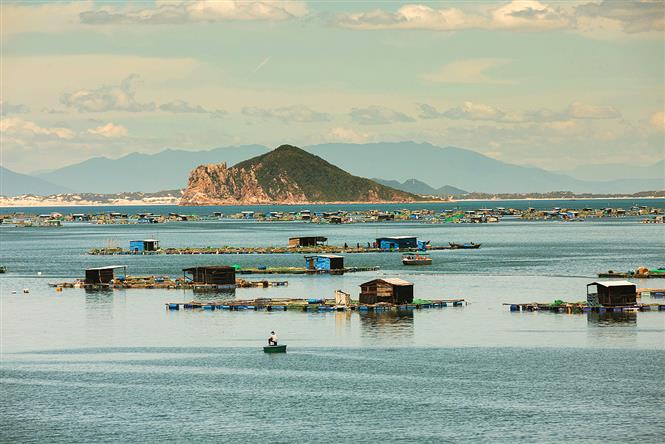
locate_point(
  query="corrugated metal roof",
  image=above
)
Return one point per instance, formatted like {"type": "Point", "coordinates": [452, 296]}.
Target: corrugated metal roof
{"type": "Point", "coordinates": [396, 281]}
{"type": "Point", "coordinates": [108, 267]}
{"type": "Point", "coordinates": [612, 283]}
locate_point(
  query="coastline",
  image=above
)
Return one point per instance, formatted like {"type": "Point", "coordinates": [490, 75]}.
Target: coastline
{"type": "Point", "coordinates": [46, 202]}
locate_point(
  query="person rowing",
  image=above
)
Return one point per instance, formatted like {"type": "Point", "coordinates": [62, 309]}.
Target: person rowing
{"type": "Point", "coordinates": [272, 340]}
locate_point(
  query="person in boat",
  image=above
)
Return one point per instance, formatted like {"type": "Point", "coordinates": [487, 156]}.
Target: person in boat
{"type": "Point", "coordinates": [272, 340]}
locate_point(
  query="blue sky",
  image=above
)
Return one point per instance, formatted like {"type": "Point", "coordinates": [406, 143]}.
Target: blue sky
{"type": "Point", "coordinates": [550, 84]}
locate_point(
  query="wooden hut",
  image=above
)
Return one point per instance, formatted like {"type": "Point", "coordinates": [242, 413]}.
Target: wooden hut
{"type": "Point", "coordinates": [391, 290]}
{"type": "Point", "coordinates": [213, 275]}
{"type": "Point", "coordinates": [102, 275]}
{"type": "Point", "coordinates": [611, 293]}
{"type": "Point", "coordinates": [307, 241]}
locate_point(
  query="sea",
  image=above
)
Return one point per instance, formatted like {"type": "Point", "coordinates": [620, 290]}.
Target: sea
{"type": "Point", "coordinates": [88, 367]}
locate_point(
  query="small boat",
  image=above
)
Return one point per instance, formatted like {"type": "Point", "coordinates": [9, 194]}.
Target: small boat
{"type": "Point", "coordinates": [416, 259]}
{"type": "Point", "coordinates": [275, 348]}
{"type": "Point", "coordinates": [466, 246]}
{"type": "Point", "coordinates": [3, 269]}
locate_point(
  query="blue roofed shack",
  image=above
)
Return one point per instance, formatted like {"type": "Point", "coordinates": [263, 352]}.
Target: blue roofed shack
{"type": "Point", "coordinates": [325, 262]}
{"type": "Point", "coordinates": [139, 246]}
{"type": "Point", "coordinates": [397, 242]}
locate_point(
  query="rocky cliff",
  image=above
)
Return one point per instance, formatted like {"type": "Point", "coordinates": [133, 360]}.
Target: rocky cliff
{"type": "Point", "coordinates": [286, 175]}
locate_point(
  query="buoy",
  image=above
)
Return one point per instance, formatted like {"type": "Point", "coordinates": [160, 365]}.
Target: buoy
{"type": "Point", "coordinates": [58, 288]}
{"type": "Point", "coordinates": [39, 273]}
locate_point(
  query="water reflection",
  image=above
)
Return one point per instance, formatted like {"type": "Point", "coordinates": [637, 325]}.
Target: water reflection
{"type": "Point", "coordinates": [99, 296]}
{"type": "Point", "coordinates": [208, 296]}
{"type": "Point", "coordinates": [396, 324]}
{"type": "Point", "coordinates": [606, 319]}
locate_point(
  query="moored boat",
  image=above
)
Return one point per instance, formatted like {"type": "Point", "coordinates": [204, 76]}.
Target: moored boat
{"type": "Point", "coordinates": [275, 348]}
{"type": "Point", "coordinates": [416, 259]}
{"type": "Point", "coordinates": [466, 246]}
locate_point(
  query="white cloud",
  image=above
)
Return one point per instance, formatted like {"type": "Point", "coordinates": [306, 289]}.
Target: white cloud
{"type": "Point", "coordinates": [579, 110]}
{"type": "Point", "coordinates": [409, 17]}
{"type": "Point", "coordinates": [11, 108]}
{"type": "Point", "coordinates": [287, 114]}
{"type": "Point", "coordinates": [347, 135]}
{"type": "Point", "coordinates": [180, 106]}
{"type": "Point", "coordinates": [657, 120]}
{"type": "Point", "coordinates": [470, 111]}
{"type": "Point", "coordinates": [632, 16]}
{"type": "Point", "coordinates": [107, 98]}
{"type": "Point", "coordinates": [20, 128]}
{"type": "Point", "coordinates": [378, 115]}
{"type": "Point", "coordinates": [529, 15]}
{"type": "Point", "coordinates": [198, 11]}
{"type": "Point", "coordinates": [109, 130]}
{"type": "Point", "coordinates": [466, 71]}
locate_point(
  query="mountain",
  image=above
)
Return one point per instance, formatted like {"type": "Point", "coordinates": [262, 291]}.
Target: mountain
{"type": "Point", "coordinates": [166, 170]}
{"type": "Point", "coordinates": [286, 175]}
{"type": "Point", "coordinates": [399, 161]}
{"type": "Point", "coordinates": [618, 171]}
{"type": "Point", "coordinates": [415, 186]}
{"type": "Point", "coordinates": [14, 184]}
{"type": "Point", "coordinates": [462, 168]}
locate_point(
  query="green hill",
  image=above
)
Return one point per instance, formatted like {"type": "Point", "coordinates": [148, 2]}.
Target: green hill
{"type": "Point", "coordinates": [287, 174]}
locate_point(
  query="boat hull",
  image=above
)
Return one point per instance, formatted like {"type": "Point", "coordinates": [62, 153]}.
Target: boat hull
{"type": "Point", "coordinates": [274, 349]}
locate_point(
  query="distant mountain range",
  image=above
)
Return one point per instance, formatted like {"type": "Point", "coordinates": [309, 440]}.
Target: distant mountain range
{"type": "Point", "coordinates": [415, 186]}
{"type": "Point", "coordinates": [399, 161]}
{"type": "Point", "coordinates": [286, 175]}
{"type": "Point", "coordinates": [12, 184]}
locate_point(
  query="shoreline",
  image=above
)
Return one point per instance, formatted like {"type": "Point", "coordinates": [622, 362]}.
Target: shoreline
{"type": "Point", "coordinates": [4, 204]}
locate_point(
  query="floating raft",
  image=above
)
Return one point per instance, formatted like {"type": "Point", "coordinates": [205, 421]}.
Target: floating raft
{"type": "Point", "coordinates": [307, 305]}
{"type": "Point", "coordinates": [166, 283]}
{"type": "Point", "coordinates": [582, 307]}
{"type": "Point", "coordinates": [302, 270]}
{"type": "Point", "coordinates": [632, 275]}
{"type": "Point", "coordinates": [323, 249]}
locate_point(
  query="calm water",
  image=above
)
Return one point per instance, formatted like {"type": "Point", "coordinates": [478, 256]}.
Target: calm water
{"type": "Point", "coordinates": [118, 367]}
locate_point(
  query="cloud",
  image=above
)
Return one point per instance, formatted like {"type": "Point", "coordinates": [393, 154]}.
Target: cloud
{"type": "Point", "coordinates": [409, 17]}
{"type": "Point", "coordinates": [633, 16]}
{"type": "Point", "coordinates": [470, 111]}
{"type": "Point", "coordinates": [657, 120]}
{"type": "Point", "coordinates": [378, 115]}
{"type": "Point", "coordinates": [579, 110]}
{"type": "Point", "coordinates": [529, 15]}
{"type": "Point", "coordinates": [109, 130]}
{"type": "Point", "coordinates": [199, 11]}
{"type": "Point", "coordinates": [10, 108]}
{"type": "Point", "coordinates": [300, 114]}
{"type": "Point", "coordinates": [107, 98]}
{"type": "Point", "coordinates": [466, 71]}
{"type": "Point", "coordinates": [180, 106]}
{"type": "Point", "coordinates": [348, 135]}
{"type": "Point", "coordinates": [19, 128]}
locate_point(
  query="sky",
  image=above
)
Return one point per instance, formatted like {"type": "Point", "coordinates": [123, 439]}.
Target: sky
{"type": "Point", "coordinates": [549, 84]}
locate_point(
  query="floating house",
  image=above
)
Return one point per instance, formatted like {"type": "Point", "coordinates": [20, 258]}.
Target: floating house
{"type": "Point", "coordinates": [611, 293]}
{"type": "Point", "coordinates": [397, 242]}
{"type": "Point", "coordinates": [325, 262]}
{"type": "Point", "coordinates": [103, 275]}
{"type": "Point", "coordinates": [392, 291]}
{"type": "Point", "coordinates": [247, 214]}
{"type": "Point", "coordinates": [307, 241]}
{"type": "Point", "coordinates": [139, 246]}
{"type": "Point", "coordinates": [213, 275]}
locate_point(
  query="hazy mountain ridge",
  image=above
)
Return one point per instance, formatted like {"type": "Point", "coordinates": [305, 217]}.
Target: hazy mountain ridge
{"type": "Point", "coordinates": [400, 161]}
{"type": "Point", "coordinates": [286, 175]}
{"type": "Point", "coordinates": [416, 186]}
{"type": "Point", "coordinates": [13, 184]}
